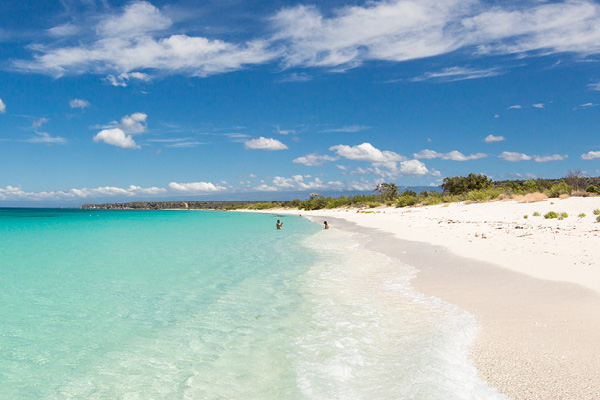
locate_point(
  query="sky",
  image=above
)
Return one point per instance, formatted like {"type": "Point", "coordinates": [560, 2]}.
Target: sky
{"type": "Point", "coordinates": [105, 100]}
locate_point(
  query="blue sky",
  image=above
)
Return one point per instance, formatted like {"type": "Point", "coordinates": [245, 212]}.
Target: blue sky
{"type": "Point", "coordinates": [104, 100]}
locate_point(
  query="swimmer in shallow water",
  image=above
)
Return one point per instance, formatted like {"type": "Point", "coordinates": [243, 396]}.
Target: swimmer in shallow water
{"type": "Point", "coordinates": [326, 226]}
{"type": "Point", "coordinates": [279, 224]}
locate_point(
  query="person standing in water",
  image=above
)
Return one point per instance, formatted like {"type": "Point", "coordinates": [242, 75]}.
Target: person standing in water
{"type": "Point", "coordinates": [326, 226]}
{"type": "Point", "coordinates": [279, 224]}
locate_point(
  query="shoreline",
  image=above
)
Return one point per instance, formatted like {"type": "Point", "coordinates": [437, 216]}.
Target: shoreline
{"type": "Point", "coordinates": [539, 323]}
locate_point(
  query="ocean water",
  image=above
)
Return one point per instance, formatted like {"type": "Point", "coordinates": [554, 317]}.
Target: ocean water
{"type": "Point", "coordinates": [217, 305]}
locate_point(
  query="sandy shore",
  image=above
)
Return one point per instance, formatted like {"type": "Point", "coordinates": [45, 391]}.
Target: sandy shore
{"type": "Point", "coordinates": [533, 284]}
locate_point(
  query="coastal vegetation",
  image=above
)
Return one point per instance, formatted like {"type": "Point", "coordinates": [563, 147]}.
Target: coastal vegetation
{"type": "Point", "coordinates": [471, 188]}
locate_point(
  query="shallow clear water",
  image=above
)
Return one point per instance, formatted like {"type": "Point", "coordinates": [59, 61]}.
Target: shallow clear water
{"type": "Point", "coordinates": [215, 305]}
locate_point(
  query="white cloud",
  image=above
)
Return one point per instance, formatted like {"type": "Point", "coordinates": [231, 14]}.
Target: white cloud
{"type": "Point", "coordinates": [67, 29]}
{"type": "Point", "coordinates": [296, 77]}
{"type": "Point", "coordinates": [45, 138]}
{"type": "Point", "coordinates": [516, 106]}
{"type": "Point", "coordinates": [348, 129]}
{"type": "Point", "coordinates": [135, 40]}
{"type": "Point", "coordinates": [137, 19]}
{"type": "Point", "coordinates": [538, 105]}
{"type": "Point", "coordinates": [590, 155]}
{"type": "Point", "coordinates": [196, 187]}
{"type": "Point", "coordinates": [366, 152]}
{"type": "Point", "coordinates": [298, 182]}
{"type": "Point", "coordinates": [263, 143]}
{"type": "Point", "coordinates": [285, 132]}
{"type": "Point", "coordinates": [312, 160]}
{"type": "Point", "coordinates": [123, 78]}
{"type": "Point", "coordinates": [457, 74]}
{"type": "Point", "coordinates": [2, 107]}
{"type": "Point", "coordinates": [16, 193]}
{"type": "Point", "coordinates": [594, 86]}
{"type": "Point", "coordinates": [134, 123]}
{"type": "Point", "coordinates": [38, 122]}
{"type": "Point", "coordinates": [79, 103]}
{"type": "Point", "coordinates": [413, 167]}
{"type": "Point", "coordinates": [554, 157]}
{"type": "Point", "coordinates": [185, 144]}
{"type": "Point", "coordinates": [588, 105]}
{"type": "Point", "coordinates": [116, 137]}
{"type": "Point", "coordinates": [399, 30]}
{"type": "Point", "coordinates": [548, 27]}
{"type": "Point", "coordinates": [514, 157]}
{"type": "Point", "coordinates": [492, 138]}
{"type": "Point", "coordinates": [140, 37]}
{"type": "Point", "coordinates": [454, 155]}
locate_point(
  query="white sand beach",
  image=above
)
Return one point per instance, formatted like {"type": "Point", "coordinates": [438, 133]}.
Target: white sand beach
{"type": "Point", "coordinates": [532, 283]}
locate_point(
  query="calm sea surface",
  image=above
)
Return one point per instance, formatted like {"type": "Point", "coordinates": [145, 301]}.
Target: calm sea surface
{"type": "Point", "coordinates": [216, 305]}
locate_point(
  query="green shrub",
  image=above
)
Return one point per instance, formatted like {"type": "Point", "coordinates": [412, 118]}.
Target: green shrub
{"type": "Point", "coordinates": [593, 189]}
{"type": "Point", "coordinates": [563, 215]}
{"type": "Point", "coordinates": [598, 218]}
{"type": "Point", "coordinates": [582, 215]}
{"type": "Point", "coordinates": [407, 200]}
{"type": "Point", "coordinates": [551, 214]}
{"type": "Point", "coordinates": [525, 216]}
{"type": "Point", "coordinates": [536, 214]}
{"type": "Point", "coordinates": [558, 189]}
{"type": "Point", "coordinates": [596, 212]}
{"type": "Point", "coordinates": [464, 184]}
{"type": "Point", "coordinates": [530, 187]}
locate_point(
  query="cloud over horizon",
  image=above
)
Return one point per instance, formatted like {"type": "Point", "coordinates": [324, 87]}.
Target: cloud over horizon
{"type": "Point", "coordinates": [454, 155]}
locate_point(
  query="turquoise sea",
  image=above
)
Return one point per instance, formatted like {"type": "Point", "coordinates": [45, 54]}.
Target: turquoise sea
{"type": "Point", "coordinates": [217, 305]}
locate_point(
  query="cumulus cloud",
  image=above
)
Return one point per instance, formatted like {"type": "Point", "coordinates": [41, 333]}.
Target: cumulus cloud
{"type": "Point", "coordinates": [492, 138]}
{"type": "Point", "coordinates": [594, 86]}
{"type": "Point", "coordinates": [263, 143]}
{"type": "Point", "coordinates": [366, 152]}
{"type": "Point", "coordinates": [116, 137]}
{"type": "Point", "coordinates": [394, 164]}
{"type": "Point", "coordinates": [196, 187]}
{"type": "Point", "coordinates": [16, 193]}
{"type": "Point", "coordinates": [515, 107]}
{"type": "Point", "coordinates": [79, 103]}
{"type": "Point", "coordinates": [134, 123]}
{"type": "Point", "coordinates": [590, 155]}
{"type": "Point", "coordinates": [299, 182]}
{"type": "Point", "coordinates": [514, 157]}
{"type": "Point", "coordinates": [553, 157]}
{"type": "Point", "coordinates": [454, 155]}
{"type": "Point", "coordinates": [312, 160]}
{"type": "Point", "coordinates": [413, 167]}
{"type": "Point", "coordinates": [2, 107]}
{"type": "Point", "coordinates": [538, 105]}
{"type": "Point", "coordinates": [454, 74]}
